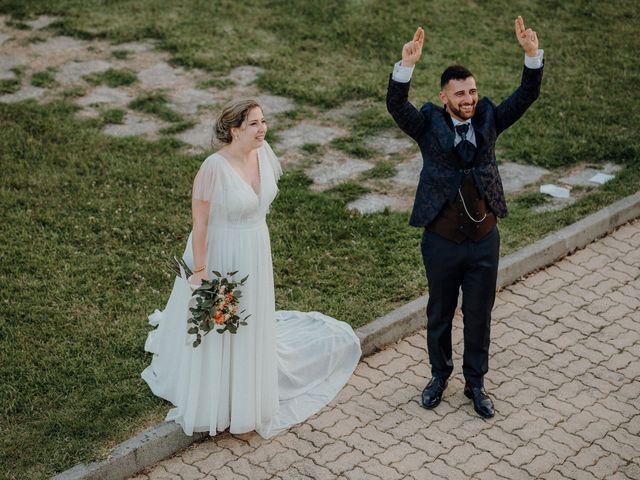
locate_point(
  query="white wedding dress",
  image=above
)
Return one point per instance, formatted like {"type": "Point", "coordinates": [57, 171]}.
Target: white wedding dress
{"type": "Point", "coordinates": [276, 371]}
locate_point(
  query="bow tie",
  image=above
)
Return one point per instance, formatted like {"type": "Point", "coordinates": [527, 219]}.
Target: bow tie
{"type": "Point", "coordinates": [462, 130]}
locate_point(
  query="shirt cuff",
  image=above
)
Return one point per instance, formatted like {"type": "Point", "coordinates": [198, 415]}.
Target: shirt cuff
{"type": "Point", "coordinates": [401, 74]}
{"type": "Point", "coordinates": [534, 62]}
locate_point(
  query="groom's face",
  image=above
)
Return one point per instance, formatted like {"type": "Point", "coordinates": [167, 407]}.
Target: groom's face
{"type": "Point", "coordinates": [460, 97]}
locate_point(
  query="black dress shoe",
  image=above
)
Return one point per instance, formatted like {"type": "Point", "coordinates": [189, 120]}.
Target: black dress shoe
{"type": "Point", "coordinates": [432, 393]}
{"type": "Point", "coordinates": [482, 404]}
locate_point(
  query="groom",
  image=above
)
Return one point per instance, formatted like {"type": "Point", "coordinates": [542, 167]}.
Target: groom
{"type": "Point", "coordinates": [458, 198]}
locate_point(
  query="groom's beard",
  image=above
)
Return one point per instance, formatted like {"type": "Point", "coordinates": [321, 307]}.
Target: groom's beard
{"type": "Point", "coordinates": [460, 113]}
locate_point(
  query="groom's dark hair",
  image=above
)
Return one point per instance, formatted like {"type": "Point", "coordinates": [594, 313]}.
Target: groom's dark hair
{"type": "Point", "coordinates": [454, 72]}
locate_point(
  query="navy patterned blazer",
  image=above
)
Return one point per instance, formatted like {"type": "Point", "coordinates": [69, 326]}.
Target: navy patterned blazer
{"type": "Point", "coordinates": [431, 127]}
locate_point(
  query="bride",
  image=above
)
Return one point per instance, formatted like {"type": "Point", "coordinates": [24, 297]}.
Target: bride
{"type": "Point", "coordinates": [283, 366]}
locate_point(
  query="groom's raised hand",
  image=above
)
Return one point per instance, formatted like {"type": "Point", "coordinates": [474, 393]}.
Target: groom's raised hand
{"type": "Point", "coordinates": [412, 50]}
{"type": "Point", "coordinates": [527, 38]}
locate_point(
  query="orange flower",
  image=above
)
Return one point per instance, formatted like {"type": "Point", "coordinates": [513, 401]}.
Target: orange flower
{"type": "Point", "coordinates": [219, 318]}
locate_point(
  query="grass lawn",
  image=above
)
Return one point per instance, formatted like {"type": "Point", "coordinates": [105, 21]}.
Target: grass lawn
{"type": "Point", "coordinates": [89, 220]}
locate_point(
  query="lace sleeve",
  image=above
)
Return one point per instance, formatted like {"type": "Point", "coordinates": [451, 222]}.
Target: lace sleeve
{"type": "Point", "coordinates": [273, 161]}
{"type": "Point", "coordinates": [205, 180]}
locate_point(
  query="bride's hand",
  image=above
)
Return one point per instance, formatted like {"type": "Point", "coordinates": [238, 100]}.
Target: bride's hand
{"type": "Point", "coordinates": [196, 278]}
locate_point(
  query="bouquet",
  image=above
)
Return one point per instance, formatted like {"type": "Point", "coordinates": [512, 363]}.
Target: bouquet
{"type": "Point", "coordinates": [216, 305]}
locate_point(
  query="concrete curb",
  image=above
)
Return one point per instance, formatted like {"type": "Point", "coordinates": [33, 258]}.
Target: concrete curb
{"type": "Point", "coordinates": [162, 441]}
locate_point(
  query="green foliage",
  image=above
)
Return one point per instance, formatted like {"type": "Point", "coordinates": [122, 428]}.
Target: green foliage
{"type": "Point", "coordinates": [352, 145]}
{"type": "Point", "coordinates": [112, 78]}
{"type": "Point", "coordinates": [121, 54]}
{"type": "Point", "coordinates": [381, 170]}
{"type": "Point", "coordinates": [44, 79]}
{"type": "Point", "coordinates": [178, 127]}
{"type": "Point", "coordinates": [113, 115]}
{"type": "Point", "coordinates": [155, 104]}
{"type": "Point", "coordinates": [73, 92]}
{"type": "Point", "coordinates": [220, 83]}
{"type": "Point", "coordinates": [9, 85]}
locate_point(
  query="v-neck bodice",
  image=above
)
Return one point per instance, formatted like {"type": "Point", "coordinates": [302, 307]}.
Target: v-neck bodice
{"type": "Point", "coordinates": [233, 201]}
{"type": "Point", "coordinates": [241, 178]}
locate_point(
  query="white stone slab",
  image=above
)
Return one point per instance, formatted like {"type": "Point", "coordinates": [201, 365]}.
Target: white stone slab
{"type": "Point", "coordinates": [389, 143]}
{"type": "Point", "coordinates": [373, 203]}
{"type": "Point", "coordinates": [582, 176]}
{"type": "Point", "coordinates": [304, 133]}
{"type": "Point", "coordinates": [9, 61]}
{"type": "Point", "coordinates": [273, 104]}
{"type": "Point", "coordinates": [134, 126]}
{"type": "Point", "coordinates": [199, 136]}
{"type": "Point", "coordinates": [54, 45]}
{"type": "Point", "coordinates": [160, 75]}
{"type": "Point", "coordinates": [108, 95]}
{"type": "Point", "coordinates": [24, 93]}
{"type": "Point", "coordinates": [245, 74]}
{"type": "Point", "coordinates": [335, 168]}
{"type": "Point", "coordinates": [4, 38]}
{"type": "Point", "coordinates": [41, 22]}
{"type": "Point", "coordinates": [408, 172]}
{"type": "Point", "coordinates": [187, 101]}
{"type": "Point", "coordinates": [516, 177]}
{"type": "Point", "coordinates": [136, 47]}
{"type": "Point", "coordinates": [72, 72]}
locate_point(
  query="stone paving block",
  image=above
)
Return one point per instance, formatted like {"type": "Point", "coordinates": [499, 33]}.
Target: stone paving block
{"type": "Point", "coordinates": [161, 474]}
{"type": "Point", "coordinates": [372, 374]}
{"type": "Point", "coordinates": [330, 452]}
{"type": "Point", "coordinates": [595, 431]}
{"type": "Point", "coordinates": [214, 461]}
{"type": "Point", "coordinates": [183, 470]}
{"type": "Point", "coordinates": [346, 462]}
{"type": "Point", "coordinates": [611, 444]}
{"type": "Point", "coordinates": [374, 467]}
{"type": "Point", "coordinates": [360, 383]}
{"type": "Point", "coordinates": [506, 470]}
{"type": "Point", "coordinates": [570, 471]}
{"type": "Point", "coordinates": [599, 410]}
{"type": "Point", "coordinates": [344, 428]}
{"type": "Point", "coordinates": [360, 411]}
{"type": "Point", "coordinates": [560, 450]}
{"type": "Point", "coordinates": [403, 395]}
{"type": "Point", "coordinates": [533, 429]}
{"type": "Point", "coordinates": [398, 365]}
{"type": "Point", "coordinates": [302, 447]}
{"type": "Point", "coordinates": [419, 354]}
{"type": "Point", "coordinates": [368, 447]}
{"type": "Point", "coordinates": [359, 474]}
{"type": "Point", "coordinates": [509, 339]}
{"type": "Point", "coordinates": [439, 469]}
{"type": "Point", "coordinates": [317, 438]}
{"type": "Point", "coordinates": [242, 466]}
{"type": "Point", "coordinates": [347, 393]}
{"type": "Point", "coordinates": [588, 456]}
{"type": "Point", "coordinates": [327, 418]}
{"type": "Point", "coordinates": [282, 461]}
{"type": "Point", "coordinates": [478, 462]}
{"type": "Point", "coordinates": [310, 469]}
{"type": "Point", "coordinates": [523, 455]}
{"type": "Point", "coordinates": [542, 464]}
{"type": "Point", "coordinates": [264, 452]}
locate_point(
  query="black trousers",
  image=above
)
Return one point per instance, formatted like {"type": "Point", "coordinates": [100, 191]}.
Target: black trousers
{"type": "Point", "coordinates": [472, 266]}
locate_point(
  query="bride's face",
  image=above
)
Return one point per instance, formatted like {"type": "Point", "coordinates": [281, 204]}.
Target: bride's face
{"type": "Point", "coordinates": [253, 130]}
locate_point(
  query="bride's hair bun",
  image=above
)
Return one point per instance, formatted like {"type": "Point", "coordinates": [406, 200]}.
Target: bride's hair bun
{"type": "Point", "coordinates": [233, 114]}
